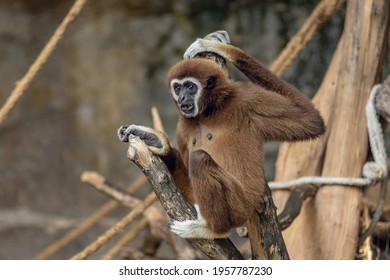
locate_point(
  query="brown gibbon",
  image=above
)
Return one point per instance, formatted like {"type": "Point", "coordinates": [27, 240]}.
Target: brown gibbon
{"type": "Point", "coordinates": [222, 128]}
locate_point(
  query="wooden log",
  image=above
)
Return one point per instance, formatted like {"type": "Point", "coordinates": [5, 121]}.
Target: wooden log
{"type": "Point", "coordinates": [306, 158]}
{"type": "Point", "coordinates": [328, 226]}
{"type": "Point", "coordinates": [338, 208]}
{"type": "Point", "coordinates": [265, 234]}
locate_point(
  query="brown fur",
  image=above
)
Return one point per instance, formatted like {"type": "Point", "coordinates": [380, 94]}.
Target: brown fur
{"type": "Point", "coordinates": [224, 173]}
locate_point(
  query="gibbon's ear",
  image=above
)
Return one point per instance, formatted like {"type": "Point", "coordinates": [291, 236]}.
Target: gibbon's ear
{"type": "Point", "coordinates": [210, 83]}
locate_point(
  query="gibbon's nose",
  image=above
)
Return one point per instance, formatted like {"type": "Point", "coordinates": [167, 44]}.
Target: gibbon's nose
{"type": "Point", "coordinates": [181, 98]}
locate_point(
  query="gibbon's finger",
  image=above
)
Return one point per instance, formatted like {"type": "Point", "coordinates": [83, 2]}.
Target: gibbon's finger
{"type": "Point", "coordinates": [195, 48]}
{"type": "Point", "coordinates": [122, 133]}
{"type": "Point", "coordinates": [220, 36]}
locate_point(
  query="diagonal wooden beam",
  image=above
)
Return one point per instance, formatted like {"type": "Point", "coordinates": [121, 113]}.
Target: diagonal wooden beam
{"type": "Point", "coordinates": [328, 227]}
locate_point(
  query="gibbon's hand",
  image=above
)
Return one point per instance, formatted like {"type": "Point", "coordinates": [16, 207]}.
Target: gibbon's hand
{"type": "Point", "coordinates": [196, 47]}
{"type": "Point", "coordinates": [155, 140]}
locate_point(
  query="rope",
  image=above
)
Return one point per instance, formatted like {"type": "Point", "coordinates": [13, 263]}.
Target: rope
{"type": "Point", "coordinates": [373, 171]}
{"type": "Point", "coordinates": [86, 224]}
{"type": "Point", "coordinates": [378, 150]}
{"type": "Point", "coordinates": [25, 82]}
{"type": "Point", "coordinates": [320, 181]}
{"type": "Point", "coordinates": [117, 228]}
{"type": "Point", "coordinates": [318, 17]}
{"type": "Point", "coordinates": [375, 133]}
{"type": "Point", "coordinates": [125, 240]}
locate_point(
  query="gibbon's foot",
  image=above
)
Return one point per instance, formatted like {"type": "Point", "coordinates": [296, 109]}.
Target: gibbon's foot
{"type": "Point", "coordinates": [195, 228]}
{"type": "Point", "coordinates": [156, 141]}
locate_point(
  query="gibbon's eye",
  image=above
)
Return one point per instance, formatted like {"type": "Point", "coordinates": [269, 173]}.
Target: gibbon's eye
{"type": "Point", "coordinates": [210, 82]}
{"type": "Point", "coordinates": [191, 87]}
{"type": "Point", "coordinates": [176, 88]}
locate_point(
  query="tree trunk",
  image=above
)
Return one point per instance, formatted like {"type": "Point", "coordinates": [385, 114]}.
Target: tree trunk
{"type": "Point", "coordinates": [328, 227]}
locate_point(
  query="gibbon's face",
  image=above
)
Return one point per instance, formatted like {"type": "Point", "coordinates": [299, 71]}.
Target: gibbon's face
{"type": "Point", "coordinates": [186, 92]}
{"type": "Point", "coordinates": [193, 84]}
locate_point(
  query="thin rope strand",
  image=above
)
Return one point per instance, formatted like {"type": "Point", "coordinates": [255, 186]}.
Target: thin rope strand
{"type": "Point", "coordinates": [129, 236]}
{"type": "Point", "coordinates": [25, 82]}
{"type": "Point", "coordinates": [86, 224]}
{"type": "Point", "coordinates": [322, 12]}
{"type": "Point", "coordinates": [114, 230]}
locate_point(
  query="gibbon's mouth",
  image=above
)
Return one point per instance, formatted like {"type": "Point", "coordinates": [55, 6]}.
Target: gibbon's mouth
{"type": "Point", "coordinates": [186, 108]}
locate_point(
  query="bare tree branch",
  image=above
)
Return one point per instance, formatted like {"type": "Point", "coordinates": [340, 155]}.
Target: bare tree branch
{"type": "Point", "coordinates": [173, 202]}
{"type": "Point", "coordinates": [294, 205]}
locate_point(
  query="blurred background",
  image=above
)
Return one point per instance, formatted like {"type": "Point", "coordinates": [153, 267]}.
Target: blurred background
{"type": "Point", "coordinates": [109, 70]}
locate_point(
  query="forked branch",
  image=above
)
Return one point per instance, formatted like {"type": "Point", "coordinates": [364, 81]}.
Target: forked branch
{"type": "Point", "coordinates": [173, 202]}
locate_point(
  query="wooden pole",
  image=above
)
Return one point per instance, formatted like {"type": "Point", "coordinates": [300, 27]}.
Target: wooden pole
{"type": "Point", "coordinates": [328, 227]}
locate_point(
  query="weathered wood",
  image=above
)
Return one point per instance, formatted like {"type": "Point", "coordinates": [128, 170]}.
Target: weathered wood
{"type": "Point", "coordinates": [264, 232]}
{"type": "Point", "coordinates": [173, 202]}
{"type": "Point", "coordinates": [294, 205]}
{"type": "Point", "coordinates": [328, 228]}
{"type": "Point", "coordinates": [291, 210]}
{"type": "Point", "coordinates": [306, 158]}
{"type": "Point", "coordinates": [364, 47]}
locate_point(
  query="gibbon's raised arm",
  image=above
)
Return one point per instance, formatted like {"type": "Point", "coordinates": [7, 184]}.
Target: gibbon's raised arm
{"type": "Point", "coordinates": [282, 112]}
{"type": "Point", "coordinates": [248, 65]}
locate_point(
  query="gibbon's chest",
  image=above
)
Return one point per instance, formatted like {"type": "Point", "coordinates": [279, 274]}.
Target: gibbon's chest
{"type": "Point", "coordinates": [230, 143]}
{"type": "Point", "coordinates": [207, 138]}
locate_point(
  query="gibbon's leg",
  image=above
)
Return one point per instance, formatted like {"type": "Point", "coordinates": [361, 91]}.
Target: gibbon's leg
{"type": "Point", "coordinates": [158, 143]}
{"type": "Point", "coordinates": [221, 204]}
